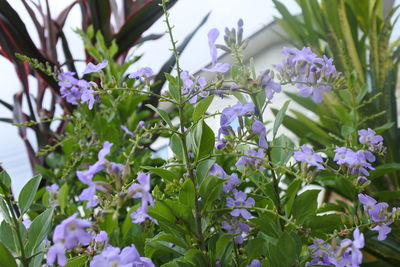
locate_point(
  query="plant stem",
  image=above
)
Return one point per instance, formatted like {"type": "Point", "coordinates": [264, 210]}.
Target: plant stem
{"type": "Point", "coordinates": [182, 136]}
{"type": "Point", "coordinates": [23, 259]}
{"type": "Point", "coordinates": [274, 178]}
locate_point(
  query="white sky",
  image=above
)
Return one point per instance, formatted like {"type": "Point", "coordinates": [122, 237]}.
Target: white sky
{"type": "Point", "coordinates": [185, 15]}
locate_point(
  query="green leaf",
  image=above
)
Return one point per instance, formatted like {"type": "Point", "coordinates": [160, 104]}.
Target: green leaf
{"type": "Point", "coordinates": [255, 248]}
{"type": "Point", "coordinates": [279, 118]}
{"type": "Point", "coordinates": [290, 195]}
{"type": "Point", "coordinates": [281, 149]}
{"type": "Point", "coordinates": [173, 86]}
{"type": "Point", "coordinates": [5, 182]}
{"type": "Point", "coordinates": [305, 204]}
{"type": "Point", "coordinates": [210, 189]}
{"type": "Point", "coordinates": [222, 244]}
{"type": "Point", "coordinates": [187, 193]}
{"type": "Point", "coordinates": [203, 168]}
{"type": "Point", "coordinates": [324, 223]}
{"type": "Point", "coordinates": [201, 108]}
{"type": "Point", "coordinates": [163, 173]}
{"type": "Point", "coordinates": [203, 140]}
{"type": "Point", "coordinates": [28, 193]}
{"type": "Point", "coordinates": [384, 169]}
{"type": "Point", "coordinates": [5, 211]}
{"type": "Point", "coordinates": [38, 230]}
{"type": "Point", "coordinates": [176, 146]}
{"type": "Point", "coordinates": [163, 114]}
{"type": "Point", "coordinates": [8, 236]}
{"type": "Point", "coordinates": [6, 258]}
{"type": "Point", "coordinates": [62, 197]}
{"type": "Point", "coordinates": [79, 261]}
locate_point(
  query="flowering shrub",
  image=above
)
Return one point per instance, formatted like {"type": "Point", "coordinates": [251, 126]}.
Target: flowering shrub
{"type": "Point", "coordinates": [238, 198]}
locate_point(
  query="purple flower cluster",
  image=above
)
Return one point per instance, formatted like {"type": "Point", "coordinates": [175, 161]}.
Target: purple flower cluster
{"type": "Point", "coordinates": [216, 67]}
{"type": "Point", "coordinates": [240, 200]}
{"type": "Point", "coordinates": [67, 235]}
{"type": "Point", "coordinates": [308, 156]}
{"type": "Point", "coordinates": [254, 159]}
{"type": "Point", "coordinates": [347, 254]}
{"type": "Point", "coordinates": [86, 177]}
{"type": "Point", "coordinates": [128, 256]}
{"type": "Point", "coordinates": [192, 87]}
{"type": "Point", "coordinates": [379, 214]}
{"type": "Point", "coordinates": [74, 90]}
{"type": "Point", "coordinates": [142, 191]}
{"type": "Point", "coordinates": [308, 72]}
{"type": "Point", "coordinates": [374, 142]}
{"type": "Point", "coordinates": [72, 231]}
{"type": "Point", "coordinates": [228, 185]}
{"type": "Point", "coordinates": [358, 162]}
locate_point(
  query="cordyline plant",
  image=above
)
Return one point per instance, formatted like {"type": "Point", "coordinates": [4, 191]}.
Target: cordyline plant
{"type": "Point", "coordinates": [239, 197]}
{"type": "Point", "coordinates": [358, 34]}
{"type": "Point", "coordinates": [132, 18]}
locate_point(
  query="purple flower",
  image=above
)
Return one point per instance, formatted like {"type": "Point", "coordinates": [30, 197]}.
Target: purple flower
{"type": "Point", "coordinates": [383, 230]}
{"type": "Point", "coordinates": [145, 73]}
{"type": "Point", "coordinates": [255, 263]}
{"type": "Point", "coordinates": [142, 124]}
{"type": "Point", "coordinates": [86, 177]}
{"type": "Point", "coordinates": [140, 215]}
{"type": "Point", "coordinates": [126, 130]}
{"type": "Point", "coordinates": [220, 144]}
{"type": "Point", "coordinates": [56, 253]}
{"type": "Point", "coordinates": [192, 87]}
{"type": "Point", "coordinates": [129, 256]}
{"type": "Point", "coordinates": [88, 97]}
{"type": "Point", "coordinates": [367, 201]}
{"type": "Point", "coordinates": [368, 137]}
{"type": "Point", "coordinates": [378, 213]}
{"type": "Point", "coordinates": [228, 185]}
{"type": "Point", "coordinates": [52, 189]}
{"type": "Point", "coordinates": [319, 252]}
{"type": "Point", "coordinates": [67, 235]}
{"type": "Point", "coordinates": [270, 86]}
{"type": "Point", "coordinates": [212, 38]}
{"type": "Point", "coordinates": [308, 72]}
{"type": "Point", "coordinates": [142, 190]}
{"type": "Point", "coordinates": [90, 68]}
{"type": "Point", "coordinates": [259, 128]}
{"type": "Point", "coordinates": [358, 162]}
{"type": "Point", "coordinates": [100, 241]}
{"type": "Point", "coordinates": [255, 159]}
{"type": "Point", "coordinates": [308, 156]}
{"type": "Point", "coordinates": [218, 171]}
{"type": "Point", "coordinates": [72, 95]}
{"type": "Point", "coordinates": [238, 228]}
{"type": "Point", "coordinates": [71, 231]}
{"type": "Point", "coordinates": [240, 199]}
{"type": "Point", "coordinates": [67, 79]}
{"type": "Point", "coordinates": [231, 183]}
{"type": "Point", "coordinates": [216, 67]}
{"type": "Point", "coordinates": [348, 253]}
{"type": "Point", "coordinates": [229, 114]}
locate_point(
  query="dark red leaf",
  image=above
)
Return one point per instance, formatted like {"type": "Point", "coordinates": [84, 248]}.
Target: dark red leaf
{"type": "Point", "coordinates": [137, 23]}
